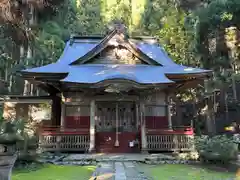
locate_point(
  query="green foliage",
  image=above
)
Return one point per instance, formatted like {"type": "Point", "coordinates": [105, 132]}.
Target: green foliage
{"type": "Point", "coordinates": [176, 38]}
{"type": "Point", "coordinates": [48, 44]}
{"type": "Point", "coordinates": [9, 133]}
{"type": "Point", "coordinates": [219, 12]}
{"type": "Point", "coordinates": [217, 148]}
{"type": "Point", "coordinates": [28, 135]}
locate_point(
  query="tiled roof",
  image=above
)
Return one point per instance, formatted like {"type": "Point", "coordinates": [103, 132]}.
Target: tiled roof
{"type": "Point", "coordinates": [76, 48]}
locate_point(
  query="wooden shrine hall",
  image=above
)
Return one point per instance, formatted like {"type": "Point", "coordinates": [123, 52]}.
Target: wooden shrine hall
{"type": "Point", "coordinates": [111, 95]}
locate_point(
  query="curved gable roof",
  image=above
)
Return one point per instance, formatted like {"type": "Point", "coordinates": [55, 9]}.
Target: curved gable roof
{"type": "Point", "coordinates": [76, 50]}
{"type": "Point", "coordinates": [80, 50]}
{"type": "Point", "coordinates": [123, 41]}
{"type": "Point", "coordinates": [141, 74]}
{"type": "Point", "coordinates": [156, 52]}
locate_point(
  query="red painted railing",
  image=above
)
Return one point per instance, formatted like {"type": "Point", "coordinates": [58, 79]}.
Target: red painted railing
{"type": "Point", "coordinates": [57, 138]}
{"type": "Point", "coordinates": [60, 130]}
{"type": "Point", "coordinates": [180, 130]}
{"type": "Point", "coordinates": [174, 139]}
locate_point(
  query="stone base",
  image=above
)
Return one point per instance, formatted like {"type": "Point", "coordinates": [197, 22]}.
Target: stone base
{"type": "Point", "coordinates": [144, 151]}
{"type": "Point", "coordinates": [94, 159]}
{"type": "Point", "coordinates": [6, 165]}
{"type": "Point", "coordinates": [92, 151]}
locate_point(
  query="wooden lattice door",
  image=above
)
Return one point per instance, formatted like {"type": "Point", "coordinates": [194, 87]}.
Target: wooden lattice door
{"type": "Point", "coordinates": [127, 117]}
{"type": "Point", "coordinates": [115, 121]}
{"type": "Point", "coordinates": [105, 116]}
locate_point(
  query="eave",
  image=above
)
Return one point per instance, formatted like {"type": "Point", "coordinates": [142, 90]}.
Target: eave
{"type": "Point", "coordinates": [51, 89]}
{"type": "Point", "coordinates": [141, 76]}
{"type": "Point", "coordinates": [184, 84]}
{"type": "Point", "coordinates": [50, 86]}
{"type": "Point", "coordinates": [26, 74]}
{"type": "Point", "coordinates": [189, 75]}
{"type": "Point", "coordinates": [25, 99]}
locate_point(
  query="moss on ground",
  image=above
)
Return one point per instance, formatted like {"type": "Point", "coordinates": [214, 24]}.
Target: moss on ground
{"type": "Point", "coordinates": [186, 172]}
{"type": "Point", "coordinates": [53, 172]}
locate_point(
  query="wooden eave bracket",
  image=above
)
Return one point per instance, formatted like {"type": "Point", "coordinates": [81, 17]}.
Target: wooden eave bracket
{"type": "Point", "coordinates": [181, 83]}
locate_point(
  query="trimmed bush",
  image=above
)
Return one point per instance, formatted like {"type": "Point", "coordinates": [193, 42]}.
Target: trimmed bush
{"type": "Point", "coordinates": [217, 148]}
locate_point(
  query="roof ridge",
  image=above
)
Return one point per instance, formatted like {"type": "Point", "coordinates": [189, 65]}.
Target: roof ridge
{"type": "Point", "coordinates": [102, 36]}
{"type": "Point", "coordinates": [87, 36]}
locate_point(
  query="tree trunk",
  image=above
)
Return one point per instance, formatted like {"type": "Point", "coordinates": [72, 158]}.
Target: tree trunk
{"type": "Point", "coordinates": [226, 106]}
{"type": "Point", "coordinates": [27, 86]}
{"type": "Point", "coordinates": [210, 121]}
{"type": "Point", "coordinates": [234, 89]}
{"type": "Point", "coordinates": [15, 61]}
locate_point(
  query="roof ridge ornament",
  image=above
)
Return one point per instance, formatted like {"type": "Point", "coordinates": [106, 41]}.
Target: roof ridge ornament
{"type": "Point", "coordinates": [118, 26]}
{"type": "Point", "coordinates": [71, 40]}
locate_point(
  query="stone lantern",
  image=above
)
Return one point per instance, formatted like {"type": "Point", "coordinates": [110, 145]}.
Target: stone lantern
{"type": "Point", "coordinates": [8, 151]}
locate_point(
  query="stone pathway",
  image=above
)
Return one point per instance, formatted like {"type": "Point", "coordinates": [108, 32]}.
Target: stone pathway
{"type": "Point", "coordinates": [134, 172]}
{"type": "Point", "coordinates": [104, 171]}
{"type": "Point", "coordinates": [119, 171]}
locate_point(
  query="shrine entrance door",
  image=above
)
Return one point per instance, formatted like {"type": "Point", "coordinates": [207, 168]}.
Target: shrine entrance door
{"type": "Point", "coordinates": [117, 127]}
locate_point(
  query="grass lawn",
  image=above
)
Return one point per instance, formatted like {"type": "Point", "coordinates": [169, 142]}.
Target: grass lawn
{"type": "Point", "coordinates": [186, 172]}
{"type": "Point", "coordinates": [54, 172]}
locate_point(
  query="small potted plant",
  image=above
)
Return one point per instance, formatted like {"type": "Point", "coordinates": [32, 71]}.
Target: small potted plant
{"type": "Point", "coordinates": [9, 137]}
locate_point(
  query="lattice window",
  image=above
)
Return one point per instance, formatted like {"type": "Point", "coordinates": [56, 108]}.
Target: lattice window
{"type": "Point", "coordinates": [108, 113]}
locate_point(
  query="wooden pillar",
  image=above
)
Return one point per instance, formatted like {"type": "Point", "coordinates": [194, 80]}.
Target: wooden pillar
{"type": "Point", "coordinates": [56, 110]}
{"type": "Point", "coordinates": [168, 111]}
{"type": "Point", "coordinates": [63, 114]}
{"type": "Point", "coordinates": [178, 108]}
{"type": "Point", "coordinates": [137, 116]}
{"type": "Point", "coordinates": [116, 144]}
{"type": "Point", "coordinates": [92, 126]}
{"type": "Point", "coordinates": [143, 128]}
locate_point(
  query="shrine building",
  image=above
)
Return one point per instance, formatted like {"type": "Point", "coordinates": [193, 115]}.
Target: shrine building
{"type": "Point", "coordinates": [111, 95]}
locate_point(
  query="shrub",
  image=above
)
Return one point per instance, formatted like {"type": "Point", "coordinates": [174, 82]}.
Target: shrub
{"type": "Point", "coordinates": [217, 148]}
{"type": "Point", "coordinates": [8, 133]}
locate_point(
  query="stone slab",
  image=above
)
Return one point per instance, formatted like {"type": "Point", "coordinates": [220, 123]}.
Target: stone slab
{"type": "Point", "coordinates": [134, 173]}
{"type": "Point", "coordinates": [104, 171]}
{"type": "Point", "coordinates": [120, 173]}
